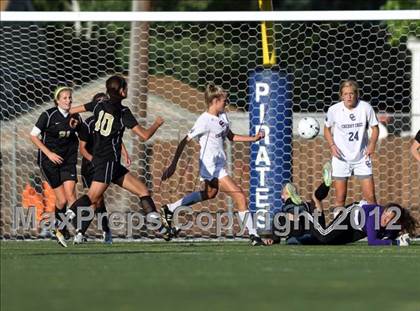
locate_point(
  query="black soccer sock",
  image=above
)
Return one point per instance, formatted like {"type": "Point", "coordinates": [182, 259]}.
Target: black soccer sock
{"type": "Point", "coordinates": [84, 200]}
{"type": "Point", "coordinates": [59, 216]}
{"type": "Point", "coordinates": [85, 222]}
{"type": "Point", "coordinates": [322, 192]}
{"type": "Point", "coordinates": [104, 218]}
{"type": "Point", "coordinates": [148, 204]}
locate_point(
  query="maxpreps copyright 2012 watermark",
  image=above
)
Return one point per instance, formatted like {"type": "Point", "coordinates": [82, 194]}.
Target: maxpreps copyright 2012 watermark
{"type": "Point", "coordinates": [184, 218]}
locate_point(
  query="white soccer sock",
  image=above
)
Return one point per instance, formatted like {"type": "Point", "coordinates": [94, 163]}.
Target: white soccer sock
{"type": "Point", "coordinates": [249, 223]}
{"type": "Point", "coordinates": [189, 199]}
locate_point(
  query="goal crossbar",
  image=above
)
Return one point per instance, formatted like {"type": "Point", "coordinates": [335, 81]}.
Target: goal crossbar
{"type": "Point", "coordinates": [368, 15]}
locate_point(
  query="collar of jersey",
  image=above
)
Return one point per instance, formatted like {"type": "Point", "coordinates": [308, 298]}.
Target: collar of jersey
{"type": "Point", "coordinates": [344, 106]}
{"type": "Point", "coordinates": [63, 112]}
{"type": "Point", "coordinates": [212, 115]}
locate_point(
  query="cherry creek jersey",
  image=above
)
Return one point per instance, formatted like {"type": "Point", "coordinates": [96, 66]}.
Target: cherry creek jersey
{"type": "Point", "coordinates": [211, 132]}
{"type": "Point", "coordinates": [58, 136]}
{"type": "Point", "coordinates": [111, 119]}
{"type": "Point", "coordinates": [351, 128]}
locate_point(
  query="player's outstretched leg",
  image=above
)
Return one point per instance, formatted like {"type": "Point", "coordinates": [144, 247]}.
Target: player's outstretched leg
{"type": "Point", "coordinates": [189, 199]}
{"type": "Point", "coordinates": [135, 186]}
{"type": "Point", "coordinates": [211, 188]}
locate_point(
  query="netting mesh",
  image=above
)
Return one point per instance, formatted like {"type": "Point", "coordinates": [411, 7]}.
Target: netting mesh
{"type": "Point", "coordinates": [168, 65]}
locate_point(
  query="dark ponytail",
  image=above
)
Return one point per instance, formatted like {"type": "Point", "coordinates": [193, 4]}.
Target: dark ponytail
{"type": "Point", "coordinates": [114, 85]}
{"type": "Point", "coordinates": [407, 222]}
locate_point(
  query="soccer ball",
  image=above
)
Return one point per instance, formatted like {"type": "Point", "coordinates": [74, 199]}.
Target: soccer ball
{"type": "Point", "coordinates": [308, 128]}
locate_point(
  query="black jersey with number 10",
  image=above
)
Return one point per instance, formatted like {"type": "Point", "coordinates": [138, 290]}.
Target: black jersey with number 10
{"type": "Point", "coordinates": [111, 119]}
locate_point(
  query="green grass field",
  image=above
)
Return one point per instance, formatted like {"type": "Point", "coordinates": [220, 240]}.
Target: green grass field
{"type": "Point", "coordinates": [208, 276]}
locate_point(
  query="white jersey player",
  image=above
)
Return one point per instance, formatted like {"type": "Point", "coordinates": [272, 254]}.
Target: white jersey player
{"type": "Point", "coordinates": [350, 147]}
{"type": "Point", "coordinates": [211, 132]}
{"type": "Point", "coordinates": [211, 129]}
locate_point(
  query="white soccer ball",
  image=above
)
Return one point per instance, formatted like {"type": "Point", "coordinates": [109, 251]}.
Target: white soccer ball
{"type": "Point", "coordinates": [308, 128]}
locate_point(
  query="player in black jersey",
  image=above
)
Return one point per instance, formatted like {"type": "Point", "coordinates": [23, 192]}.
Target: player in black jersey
{"type": "Point", "coordinates": [86, 143]}
{"type": "Point", "coordinates": [111, 119]}
{"type": "Point", "coordinates": [57, 154]}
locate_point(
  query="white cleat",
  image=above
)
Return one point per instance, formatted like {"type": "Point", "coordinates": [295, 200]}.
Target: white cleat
{"type": "Point", "coordinates": [79, 238]}
{"type": "Point", "coordinates": [404, 240]}
{"type": "Point", "coordinates": [60, 238]}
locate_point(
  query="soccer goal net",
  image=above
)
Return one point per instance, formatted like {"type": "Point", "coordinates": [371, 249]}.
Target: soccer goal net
{"type": "Point", "coordinates": [168, 58]}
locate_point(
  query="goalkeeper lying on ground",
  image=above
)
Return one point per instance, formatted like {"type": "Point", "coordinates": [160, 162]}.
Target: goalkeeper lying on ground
{"type": "Point", "coordinates": [304, 222]}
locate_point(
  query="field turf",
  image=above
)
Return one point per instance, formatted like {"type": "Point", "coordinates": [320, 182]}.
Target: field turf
{"type": "Point", "coordinates": [208, 276]}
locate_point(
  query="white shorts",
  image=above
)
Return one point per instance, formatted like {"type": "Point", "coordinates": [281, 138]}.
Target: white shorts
{"type": "Point", "coordinates": [343, 169]}
{"type": "Point", "coordinates": [209, 171]}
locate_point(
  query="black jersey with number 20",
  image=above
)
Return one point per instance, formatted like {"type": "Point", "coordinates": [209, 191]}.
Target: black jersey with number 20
{"type": "Point", "coordinates": [111, 119]}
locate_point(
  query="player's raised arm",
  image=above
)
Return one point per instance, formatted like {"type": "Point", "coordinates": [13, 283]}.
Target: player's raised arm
{"type": "Point", "coordinates": [243, 138]}
{"type": "Point", "coordinates": [170, 170]}
{"type": "Point", "coordinates": [145, 134]}
{"type": "Point", "coordinates": [77, 109]}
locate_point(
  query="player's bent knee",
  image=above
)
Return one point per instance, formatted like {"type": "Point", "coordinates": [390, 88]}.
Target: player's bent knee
{"type": "Point", "coordinates": [209, 194]}
{"type": "Point", "coordinates": [60, 203]}
{"type": "Point", "coordinates": [94, 199]}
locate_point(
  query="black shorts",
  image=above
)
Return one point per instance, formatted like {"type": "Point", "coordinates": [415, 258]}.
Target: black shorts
{"type": "Point", "coordinates": [87, 172]}
{"type": "Point", "coordinates": [56, 175]}
{"type": "Point", "coordinates": [107, 172]}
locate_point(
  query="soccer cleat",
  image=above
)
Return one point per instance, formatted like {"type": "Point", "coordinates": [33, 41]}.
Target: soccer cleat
{"type": "Point", "coordinates": [45, 233]}
{"type": "Point", "coordinates": [403, 240]}
{"type": "Point", "coordinates": [107, 237]}
{"type": "Point", "coordinates": [327, 174]}
{"type": "Point", "coordinates": [256, 240]}
{"type": "Point", "coordinates": [66, 233]}
{"type": "Point", "coordinates": [166, 233]}
{"type": "Point", "coordinates": [294, 196]}
{"type": "Point", "coordinates": [79, 238]}
{"type": "Point", "coordinates": [167, 216]}
{"type": "Point", "coordinates": [175, 232]}
{"type": "Point", "coordinates": [60, 238]}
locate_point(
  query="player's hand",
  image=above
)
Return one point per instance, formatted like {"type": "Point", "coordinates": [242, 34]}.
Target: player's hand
{"type": "Point", "coordinates": [370, 150]}
{"type": "Point", "coordinates": [268, 242]}
{"type": "Point", "coordinates": [159, 121]}
{"type": "Point", "coordinates": [168, 172]}
{"type": "Point", "coordinates": [74, 121]}
{"type": "Point", "coordinates": [55, 158]}
{"type": "Point", "coordinates": [260, 135]}
{"type": "Point", "coordinates": [335, 151]}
